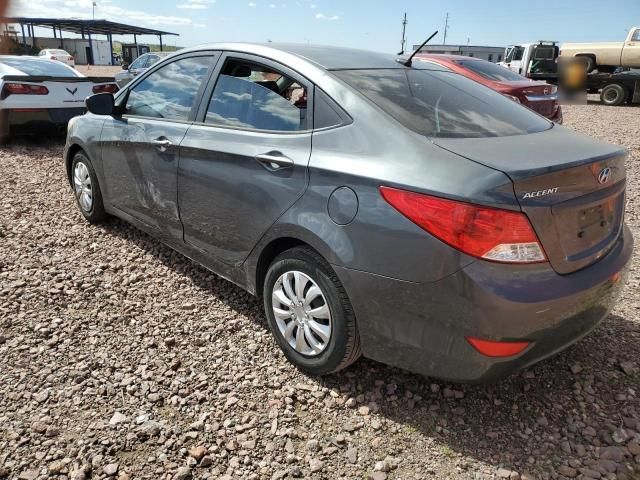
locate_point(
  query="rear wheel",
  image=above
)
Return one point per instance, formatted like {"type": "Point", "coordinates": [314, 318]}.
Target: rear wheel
{"type": "Point", "coordinates": [86, 189]}
{"type": "Point", "coordinates": [309, 313]}
{"type": "Point", "coordinates": [589, 63]}
{"type": "Point", "coordinates": [613, 95]}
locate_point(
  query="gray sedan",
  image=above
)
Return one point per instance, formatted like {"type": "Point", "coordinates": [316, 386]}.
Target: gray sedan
{"type": "Point", "coordinates": [138, 66]}
{"type": "Point", "coordinates": [378, 206]}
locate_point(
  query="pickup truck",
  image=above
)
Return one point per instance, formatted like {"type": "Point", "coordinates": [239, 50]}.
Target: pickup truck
{"type": "Point", "coordinates": [539, 61]}
{"type": "Point", "coordinates": [607, 56]}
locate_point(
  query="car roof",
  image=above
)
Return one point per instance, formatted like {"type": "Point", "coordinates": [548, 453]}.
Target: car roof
{"type": "Point", "coordinates": [326, 57]}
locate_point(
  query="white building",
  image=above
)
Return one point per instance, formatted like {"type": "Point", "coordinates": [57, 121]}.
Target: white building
{"type": "Point", "coordinates": [492, 54]}
{"type": "Point", "coordinates": [77, 47]}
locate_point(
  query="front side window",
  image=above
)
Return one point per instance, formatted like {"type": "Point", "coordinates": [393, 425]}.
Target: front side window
{"type": "Point", "coordinates": [253, 96]}
{"type": "Point", "coordinates": [151, 59]}
{"type": "Point", "coordinates": [170, 91]}
{"type": "Point", "coordinates": [139, 62]}
{"type": "Point", "coordinates": [517, 53]}
{"type": "Point", "coordinates": [636, 36]}
{"type": "Point", "coordinates": [443, 104]}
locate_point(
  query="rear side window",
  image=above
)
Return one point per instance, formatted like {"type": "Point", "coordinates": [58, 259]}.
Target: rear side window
{"type": "Point", "coordinates": [443, 104]}
{"type": "Point", "coordinates": [490, 70]}
{"type": "Point", "coordinates": [40, 67]}
{"type": "Point", "coordinates": [170, 91]}
{"type": "Point", "coordinates": [253, 96]}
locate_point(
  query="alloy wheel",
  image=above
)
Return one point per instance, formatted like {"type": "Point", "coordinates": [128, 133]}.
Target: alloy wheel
{"type": "Point", "coordinates": [82, 186]}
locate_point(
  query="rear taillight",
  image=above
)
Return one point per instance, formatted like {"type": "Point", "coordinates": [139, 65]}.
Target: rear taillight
{"type": "Point", "coordinates": [72, 59]}
{"type": "Point", "coordinates": [106, 88]}
{"type": "Point", "coordinates": [23, 89]}
{"type": "Point", "coordinates": [489, 233]}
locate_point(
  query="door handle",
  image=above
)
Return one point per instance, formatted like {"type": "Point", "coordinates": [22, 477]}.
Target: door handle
{"type": "Point", "coordinates": [274, 160]}
{"type": "Point", "coordinates": [162, 143]}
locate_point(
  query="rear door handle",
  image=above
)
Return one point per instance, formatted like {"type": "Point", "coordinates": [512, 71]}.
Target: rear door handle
{"type": "Point", "coordinates": [274, 160]}
{"type": "Point", "coordinates": [162, 143]}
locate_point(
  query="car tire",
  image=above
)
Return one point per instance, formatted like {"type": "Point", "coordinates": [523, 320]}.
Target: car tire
{"type": "Point", "coordinates": [86, 189]}
{"type": "Point", "coordinates": [589, 63]}
{"type": "Point", "coordinates": [310, 279]}
{"type": "Point", "coordinates": [613, 95]}
{"type": "Point", "coordinates": [5, 128]}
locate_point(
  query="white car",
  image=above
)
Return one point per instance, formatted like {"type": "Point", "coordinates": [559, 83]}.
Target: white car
{"type": "Point", "coordinates": [59, 55]}
{"type": "Point", "coordinates": [36, 93]}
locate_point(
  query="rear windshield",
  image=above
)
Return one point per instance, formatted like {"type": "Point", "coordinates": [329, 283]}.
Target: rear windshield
{"type": "Point", "coordinates": [490, 70]}
{"type": "Point", "coordinates": [443, 104]}
{"type": "Point", "coordinates": [39, 68]}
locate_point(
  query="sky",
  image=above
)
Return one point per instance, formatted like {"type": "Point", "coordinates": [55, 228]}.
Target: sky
{"type": "Point", "coordinates": [356, 23]}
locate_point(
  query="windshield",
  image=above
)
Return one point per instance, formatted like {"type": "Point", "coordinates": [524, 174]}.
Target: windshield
{"type": "Point", "coordinates": [443, 104]}
{"type": "Point", "coordinates": [490, 70]}
{"type": "Point", "coordinates": [40, 67]}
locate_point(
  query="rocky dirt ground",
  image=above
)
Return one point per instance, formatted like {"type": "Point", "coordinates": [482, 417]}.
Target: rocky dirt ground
{"type": "Point", "coordinates": [122, 359]}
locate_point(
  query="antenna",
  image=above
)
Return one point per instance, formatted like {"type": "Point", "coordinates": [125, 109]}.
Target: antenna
{"type": "Point", "coordinates": [446, 28]}
{"type": "Point", "coordinates": [404, 29]}
{"type": "Point", "coordinates": [407, 63]}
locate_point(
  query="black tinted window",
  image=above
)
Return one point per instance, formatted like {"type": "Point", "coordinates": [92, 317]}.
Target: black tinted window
{"type": "Point", "coordinates": [324, 113]}
{"type": "Point", "coordinates": [443, 104]}
{"type": "Point", "coordinates": [170, 91]}
{"type": "Point", "coordinates": [490, 70]}
{"type": "Point", "coordinates": [249, 95]}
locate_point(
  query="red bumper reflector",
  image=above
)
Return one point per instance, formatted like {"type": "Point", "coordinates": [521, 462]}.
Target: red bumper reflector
{"type": "Point", "coordinates": [491, 348]}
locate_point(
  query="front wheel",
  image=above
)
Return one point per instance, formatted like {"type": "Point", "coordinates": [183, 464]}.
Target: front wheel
{"type": "Point", "coordinates": [86, 189]}
{"type": "Point", "coordinates": [309, 313]}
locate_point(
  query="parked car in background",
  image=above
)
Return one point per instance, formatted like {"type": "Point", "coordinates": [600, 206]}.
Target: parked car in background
{"type": "Point", "coordinates": [607, 56]}
{"type": "Point", "coordinates": [538, 96]}
{"type": "Point", "coordinates": [59, 55]}
{"type": "Point", "coordinates": [435, 224]}
{"type": "Point", "coordinates": [36, 94]}
{"type": "Point", "coordinates": [139, 65]}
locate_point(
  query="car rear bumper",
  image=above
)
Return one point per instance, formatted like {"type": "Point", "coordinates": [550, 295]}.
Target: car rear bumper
{"type": "Point", "coordinates": [28, 121]}
{"type": "Point", "coordinates": [423, 327]}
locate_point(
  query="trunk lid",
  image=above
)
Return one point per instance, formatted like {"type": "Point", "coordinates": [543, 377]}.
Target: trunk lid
{"type": "Point", "coordinates": [570, 186]}
{"type": "Point", "coordinates": [538, 96]}
{"type": "Point", "coordinates": [64, 92]}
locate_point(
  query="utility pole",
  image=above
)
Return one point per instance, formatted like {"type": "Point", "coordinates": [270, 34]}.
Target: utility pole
{"type": "Point", "coordinates": [94, 10]}
{"type": "Point", "coordinates": [404, 29]}
{"type": "Point", "coordinates": [446, 28]}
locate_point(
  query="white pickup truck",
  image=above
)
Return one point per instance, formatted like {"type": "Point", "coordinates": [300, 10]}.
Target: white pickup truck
{"type": "Point", "coordinates": [607, 56]}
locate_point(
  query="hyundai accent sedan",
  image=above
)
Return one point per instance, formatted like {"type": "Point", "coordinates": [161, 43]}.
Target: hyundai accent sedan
{"type": "Point", "coordinates": [392, 209]}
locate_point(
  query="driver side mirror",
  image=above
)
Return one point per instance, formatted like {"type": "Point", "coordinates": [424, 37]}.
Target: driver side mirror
{"type": "Point", "coordinates": [101, 104]}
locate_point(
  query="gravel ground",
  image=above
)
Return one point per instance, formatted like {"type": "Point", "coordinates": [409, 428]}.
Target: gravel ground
{"type": "Point", "coordinates": [120, 358]}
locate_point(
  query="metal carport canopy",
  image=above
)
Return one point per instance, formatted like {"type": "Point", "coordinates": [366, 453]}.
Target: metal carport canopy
{"type": "Point", "coordinates": [82, 27]}
{"type": "Point", "coordinates": [100, 27]}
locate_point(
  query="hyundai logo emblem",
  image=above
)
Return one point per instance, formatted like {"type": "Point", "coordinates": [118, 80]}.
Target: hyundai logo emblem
{"type": "Point", "coordinates": [603, 176]}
